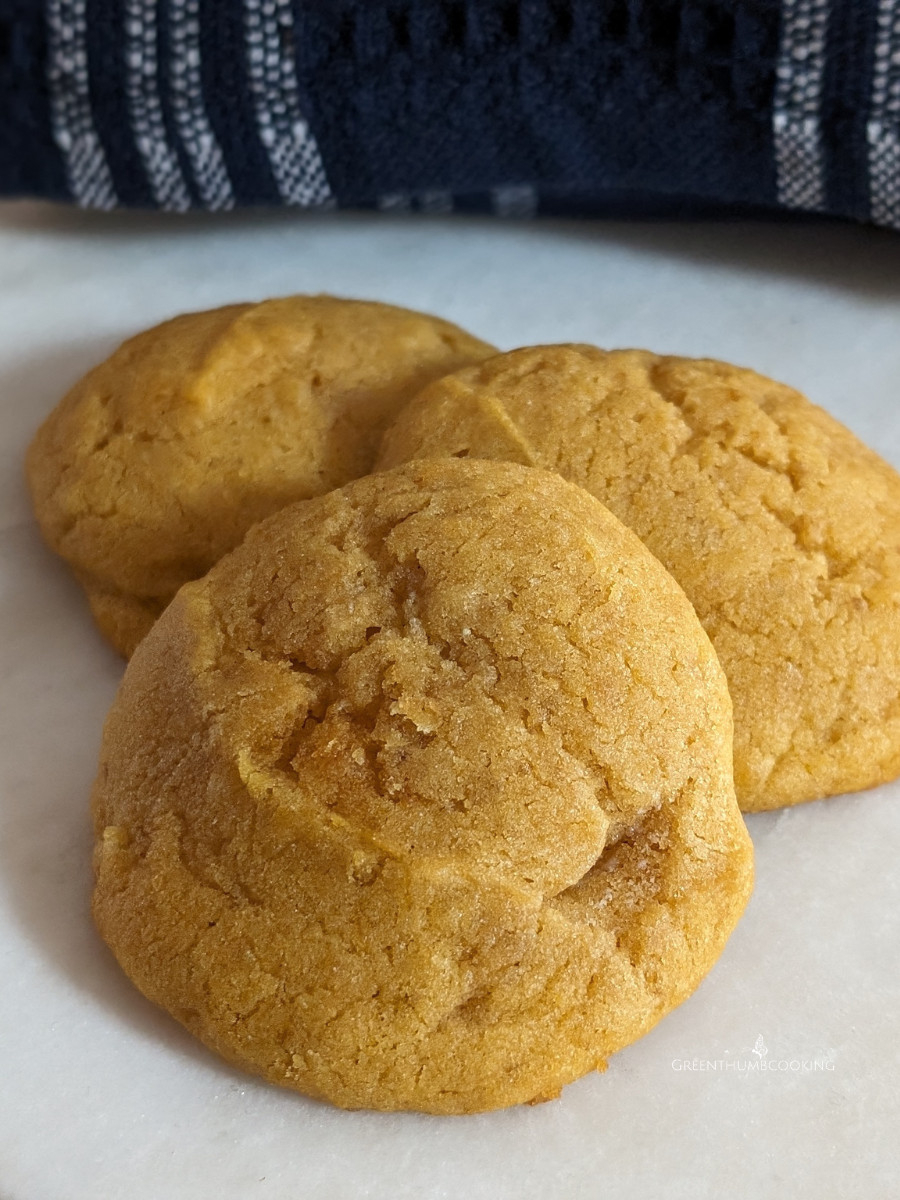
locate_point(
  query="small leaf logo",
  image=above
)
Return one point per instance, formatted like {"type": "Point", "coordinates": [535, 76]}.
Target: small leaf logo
{"type": "Point", "coordinates": [760, 1049]}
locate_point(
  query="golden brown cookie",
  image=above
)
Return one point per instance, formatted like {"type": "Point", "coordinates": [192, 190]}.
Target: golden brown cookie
{"type": "Point", "coordinates": [422, 798]}
{"type": "Point", "coordinates": [782, 528]}
{"type": "Point", "coordinates": [162, 457]}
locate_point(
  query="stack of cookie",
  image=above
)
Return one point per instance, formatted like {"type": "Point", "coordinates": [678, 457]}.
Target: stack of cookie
{"type": "Point", "coordinates": [421, 788]}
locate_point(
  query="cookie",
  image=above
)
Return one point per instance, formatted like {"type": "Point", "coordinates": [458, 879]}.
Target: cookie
{"type": "Point", "coordinates": [422, 797]}
{"type": "Point", "coordinates": [161, 458]}
{"type": "Point", "coordinates": [782, 528]}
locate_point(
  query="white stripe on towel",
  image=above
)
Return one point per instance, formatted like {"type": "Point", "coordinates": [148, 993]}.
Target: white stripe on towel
{"type": "Point", "coordinates": [517, 200]}
{"type": "Point", "coordinates": [292, 149]}
{"type": "Point", "coordinates": [883, 125]}
{"type": "Point", "coordinates": [437, 202]}
{"type": "Point", "coordinates": [800, 72]}
{"type": "Point", "coordinates": [189, 110]}
{"type": "Point", "coordinates": [160, 161]}
{"type": "Point", "coordinates": [87, 170]}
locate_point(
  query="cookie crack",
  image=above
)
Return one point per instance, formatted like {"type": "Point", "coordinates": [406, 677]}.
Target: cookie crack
{"type": "Point", "coordinates": [726, 438]}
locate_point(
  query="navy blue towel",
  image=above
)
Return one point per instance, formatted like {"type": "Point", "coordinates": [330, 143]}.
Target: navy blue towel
{"type": "Point", "coordinates": [507, 106]}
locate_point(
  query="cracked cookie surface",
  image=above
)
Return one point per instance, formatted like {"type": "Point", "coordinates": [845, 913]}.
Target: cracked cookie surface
{"type": "Point", "coordinates": [160, 459]}
{"type": "Point", "coordinates": [780, 525]}
{"type": "Point", "coordinates": [422, 797]}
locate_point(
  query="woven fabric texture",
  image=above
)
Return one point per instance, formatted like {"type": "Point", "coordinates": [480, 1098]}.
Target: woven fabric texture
{"type": "Point", "coordinates": [514, 107]}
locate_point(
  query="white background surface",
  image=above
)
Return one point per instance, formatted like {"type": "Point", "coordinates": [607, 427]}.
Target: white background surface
{"type": "Point", "coordinates": [101, 1095]}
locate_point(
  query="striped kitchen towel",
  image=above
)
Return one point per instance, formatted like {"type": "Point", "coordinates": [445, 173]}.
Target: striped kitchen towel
{"type": "Point", "coordinates": [516, 107]}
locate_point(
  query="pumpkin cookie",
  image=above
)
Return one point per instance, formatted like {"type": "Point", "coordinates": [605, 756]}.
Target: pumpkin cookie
{"type": "Point", "coordinates": [782, 528]}
{"type": "Point", "coordinates": [162, 457]}
{"type": "Point", "coordinates": [422, 797]}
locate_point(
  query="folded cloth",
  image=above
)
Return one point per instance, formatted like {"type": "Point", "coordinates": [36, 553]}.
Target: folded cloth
{"type": "Point", "coordinates": [508, 106]}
